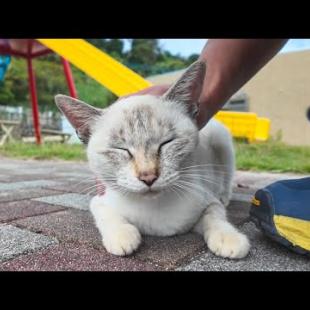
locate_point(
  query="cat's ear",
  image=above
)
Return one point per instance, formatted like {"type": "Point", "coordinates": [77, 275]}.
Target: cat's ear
{"type": "Point", "coordinates": [80, 115]}
{"type": "Point", "coordinates": [188, 87]}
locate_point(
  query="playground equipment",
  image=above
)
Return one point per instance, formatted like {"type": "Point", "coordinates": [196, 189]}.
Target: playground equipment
{"type": "Point", "coordinates": [119, 79]}
{"type": "Point", "coordinates": [113, 75]}
{"type": "Point", "coordinates": [30, 49]}
{"type": "Point", "coordinates": [4, 64]}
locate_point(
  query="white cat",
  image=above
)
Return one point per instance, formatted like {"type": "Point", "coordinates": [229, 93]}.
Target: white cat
{"type": "Point", "coordinates": [162, 175]}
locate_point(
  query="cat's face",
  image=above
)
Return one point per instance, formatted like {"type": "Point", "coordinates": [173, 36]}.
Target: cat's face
{"type": "Point", "coordinates": [140, 143]}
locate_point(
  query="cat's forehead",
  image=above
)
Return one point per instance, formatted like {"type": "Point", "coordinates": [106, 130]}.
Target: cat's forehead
{"type": "Point", "coordinates": [142, 119]}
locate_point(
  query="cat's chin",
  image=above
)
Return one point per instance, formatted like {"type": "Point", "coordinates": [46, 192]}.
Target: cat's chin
{"type": "Point", "coordinates": [148, 194]}
{"type": "Point", "coordinates": [151, 194]}
{"type": "Point", "coordinates": [145, 193]}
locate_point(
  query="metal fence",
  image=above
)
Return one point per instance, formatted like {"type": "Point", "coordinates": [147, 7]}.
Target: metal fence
{"type": "Point", "coordinates": [48, 119]}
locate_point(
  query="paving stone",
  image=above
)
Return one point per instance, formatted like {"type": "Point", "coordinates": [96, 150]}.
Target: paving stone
{"type": "Point", "coordinates": [24, 208]}
{"type": "Point", "coordinates": [169, 252]}
{"type": "Point", "coordinates": [74, 225]}
{"type": "Point", "coordinates": [25, 177]}
{"type": "Point", "coordinates": [85, 251]}
{"type": "Point", "coordinates": [71, 200]}
{"type": "Point", "coordinates": [79, 226]}
{"type": "Point", "coordinates": [15, 241]}
{"type": "Point", "coordinates": [26, 184]}
{"type": "Point", "coordinates": [242, 197]}
{"type": "Point", "coordinates": [265, 255]}
{"type": "Point", "coordinates": [9, 166]}
{"type": "Point", "coordinates": [244, 190]}
{"type": "Point", "coordinates": [70, 225]}
{"type": "Point", "coordinates": [21, 194]}
{"type": "Point", "coordinates": [76, 186]}
{"type": "Point", "coordinates": [238, 212]}
{"type": "Point", "coordinates": [81, 176]}
{"type": "Point", "coordinates": [256, 180]}
{"type": "Point", "coordinates": [75, 257]}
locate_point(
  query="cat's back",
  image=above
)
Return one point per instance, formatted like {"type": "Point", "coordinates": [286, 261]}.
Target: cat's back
{"type": "Point", "coordinates": [214, 133]}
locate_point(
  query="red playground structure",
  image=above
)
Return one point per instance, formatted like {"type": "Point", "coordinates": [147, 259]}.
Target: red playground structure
{"type": "Point", "coordinates": [30, 49]}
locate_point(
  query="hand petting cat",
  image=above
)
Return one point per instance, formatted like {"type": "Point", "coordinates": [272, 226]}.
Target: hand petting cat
{"type": "Point", "coordinates": [231, 63]}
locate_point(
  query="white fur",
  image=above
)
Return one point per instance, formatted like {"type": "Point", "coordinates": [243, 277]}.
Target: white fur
{"type": "Point", "coordinates": [120, 218]}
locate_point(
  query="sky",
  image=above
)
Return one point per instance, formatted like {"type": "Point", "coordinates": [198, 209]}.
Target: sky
{"type": "Point", "coordinates": [186, 47]}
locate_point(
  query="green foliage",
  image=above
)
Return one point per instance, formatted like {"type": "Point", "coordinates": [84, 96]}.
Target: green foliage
{"type": "Point", "coordinates": [50, 80]}
{"type": "Point", "coordinates": [44, 151]}
{"type": "Point", "coordinates": [114, 47]}
{"type": "Point", "coordinates": [14, 89]}
{"type": "Point", "coordinates": [272, 156]}
{"type": "Point", "coordinates": [144, 51]}
{"type": "Point", "coordinates": [145, 56]}
{"type": "Point", "coordinates": [91, 91]}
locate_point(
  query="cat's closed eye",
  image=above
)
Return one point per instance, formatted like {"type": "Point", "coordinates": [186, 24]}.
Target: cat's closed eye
{"type": "Point", "coordinates": [164, 143]}
{"type": "Point", "coordinates": [124, 150]}
{"type": "Point", "coordinates": [114, 151]}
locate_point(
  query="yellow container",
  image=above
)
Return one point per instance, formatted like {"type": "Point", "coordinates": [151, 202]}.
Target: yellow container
{"type": "Point", "coordinates": [245, 125]}
{"type": "Point", "coordinates": [262, 129]}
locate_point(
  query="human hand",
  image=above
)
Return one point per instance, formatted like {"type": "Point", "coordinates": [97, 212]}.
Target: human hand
{"type": "Point", "coordinates": [155, 90]}
{"type": "Point", "coordinates": [159, 90]}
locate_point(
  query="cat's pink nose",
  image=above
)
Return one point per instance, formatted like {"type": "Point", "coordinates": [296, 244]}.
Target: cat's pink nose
{"type": "Point", "coordinates": [148, 178]}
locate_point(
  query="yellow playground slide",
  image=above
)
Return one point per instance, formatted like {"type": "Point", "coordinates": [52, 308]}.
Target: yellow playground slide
{"type": "Point", "coordinates": [119, 79]}
{"type": "Point", "coordinates": [122, 81]}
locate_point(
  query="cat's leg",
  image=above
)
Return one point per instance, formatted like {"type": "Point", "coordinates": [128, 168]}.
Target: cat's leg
{"type": "Point", "coordinates": [228, 161]}
{"type": "Point", "coordinates": [118, 236]}
{"type": "Point", "coordinates": [219, 150]}
{"type": "Point", "coordinates": [222, 238]}
{"type": "Point", "coordinates": [224, 156]}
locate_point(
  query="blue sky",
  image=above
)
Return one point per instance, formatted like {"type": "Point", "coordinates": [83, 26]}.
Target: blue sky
{"type": "Point", "coordinates": [186, 47]}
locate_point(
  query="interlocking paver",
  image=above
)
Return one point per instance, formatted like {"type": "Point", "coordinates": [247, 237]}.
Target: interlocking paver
{"type": "Point", "coordinates": [15, 241]}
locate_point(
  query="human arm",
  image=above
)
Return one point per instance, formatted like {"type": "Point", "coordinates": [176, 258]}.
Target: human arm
{"type": "Point", "coordinates": [230, 64]}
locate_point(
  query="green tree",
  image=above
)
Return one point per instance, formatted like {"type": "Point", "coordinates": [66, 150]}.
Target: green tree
{"type": "Point", "coordinates": [50, 81]}
{"type": "Point", "coordinates": [113, 47]}
{"type": "Point", "coordinates": [99, 43]}
{"type": "Point", "coordinates": [192, 58]}
{"type": "Point", "coordinates": [143, 54]}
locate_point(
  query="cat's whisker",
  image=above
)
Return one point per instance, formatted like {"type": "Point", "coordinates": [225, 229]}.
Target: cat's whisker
{"type": "Point", "coordinates": [186, 193]}
{"type": "Point", "coordinates": [94, 186]}
{"type": "Point", "coordinates": [87, 180]}
{"type": "Point", "coordinates": [200, 172]}
{"type": "Point", "coordinates": [89, 188]}
{"type": "Point", "coordinates": [205, 168]}
{"type": "Point", "coordinates": [194, 187]}
{"type": "Point", "coordinates": [91, 193]}
{"type": "Point", "coordinates": [198, 177]}
{"type": "Point", "coordinates": [208, 181]}
{"type": "Point", "coordinates": [189, 185]}
{"type": "Point", "coordinates": [203, 165]}
{"type": "Point", "coordinates": [181, 191]}
{"type": "Point", "coordinates": [120, 189]}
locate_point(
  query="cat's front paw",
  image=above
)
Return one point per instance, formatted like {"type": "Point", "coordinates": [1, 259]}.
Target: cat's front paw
{"type": "Point", "coordinates": [123, 240]}
{"type": "Point", "coordinates": [228, 243]}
